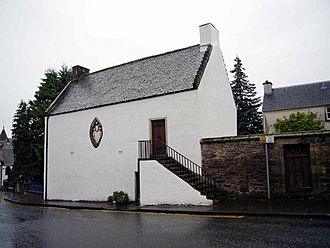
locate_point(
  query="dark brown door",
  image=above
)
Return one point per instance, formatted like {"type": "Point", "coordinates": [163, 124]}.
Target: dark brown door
{"type": "Point", "coordinates": [297, 168]}
{"type": "Point", "coordinates": [158, 137]}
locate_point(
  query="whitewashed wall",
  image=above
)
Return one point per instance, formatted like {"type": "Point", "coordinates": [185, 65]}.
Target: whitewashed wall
{"type": "Point", "coordinates": [271, 116]}
{"type": "Point", "coordinates": [160, 186]}
{"type": "Point", "coordinates": [216, 102]}
{"type": "Point", "coordinates": [78, 171]}
{"type": "Point", "coordinates": [75, 170]}
{"type": "Point", "coordinates": [3, 174]}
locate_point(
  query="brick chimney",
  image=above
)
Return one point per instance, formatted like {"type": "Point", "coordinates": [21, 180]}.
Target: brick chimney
{"type": "Point", "coordinates": [208, 35]}
{"type": "Point", "coordinates": [268, 87]}
{"type": "Point", "coordinates": [78, 71]}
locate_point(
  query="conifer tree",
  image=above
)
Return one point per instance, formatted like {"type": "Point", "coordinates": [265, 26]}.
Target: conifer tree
{"type": "Point", "coordinates": [22, 143]}
{"type": "Point", "coordinates": [249, 120]}
{"type": "Point", "coordinates": [50, 87]}
{"type": "Point", "coordinates": [28, 131]}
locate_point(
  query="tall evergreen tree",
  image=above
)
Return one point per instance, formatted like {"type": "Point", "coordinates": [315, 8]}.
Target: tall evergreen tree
{"type": "Point", "coordinates": [50, 87]}
{"type": "Point", "coordinates": [249, 120]}
{"type": "Point", "coordinates": [24, 163]}
{"type": "Point", "coordinates": [28, 131]}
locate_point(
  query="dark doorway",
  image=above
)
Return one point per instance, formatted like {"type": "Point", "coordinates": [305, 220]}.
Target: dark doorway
{"type": "Point", "coordinates": [158, 137]}
{"type": "Point", "coordinates": [8, 171]}
{"type": "Point", "coordinates": [298, 172]}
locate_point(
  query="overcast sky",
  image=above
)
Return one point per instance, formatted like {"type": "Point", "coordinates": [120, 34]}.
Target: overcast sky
{"type": "Point", "coordinates": [285, 41]}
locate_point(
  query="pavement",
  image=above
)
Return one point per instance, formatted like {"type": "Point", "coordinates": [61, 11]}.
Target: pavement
{"type": "Point", "coordinates": [276, 207]}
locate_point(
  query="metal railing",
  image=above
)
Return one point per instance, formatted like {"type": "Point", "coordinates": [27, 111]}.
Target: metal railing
{"type": "Point", "coordinates": [157, 150]}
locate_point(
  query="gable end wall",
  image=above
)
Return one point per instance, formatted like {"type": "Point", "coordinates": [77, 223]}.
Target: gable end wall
{"type": "Point", "coordinates": [216, 103]}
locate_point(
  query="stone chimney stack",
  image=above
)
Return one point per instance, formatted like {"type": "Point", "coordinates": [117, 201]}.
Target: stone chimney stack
{"type": "Point", "coordinates": [268, 87]}
{"type": "Point", "coordinates": [208, 35]}
{"type": "Point", "coordinates": [78, 71]}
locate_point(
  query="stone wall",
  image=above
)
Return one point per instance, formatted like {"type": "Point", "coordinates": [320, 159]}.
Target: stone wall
{"type": "Point", "coordinates": [239, 164]}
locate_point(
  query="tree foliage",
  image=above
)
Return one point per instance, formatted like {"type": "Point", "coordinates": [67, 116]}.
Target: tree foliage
{"type": "Point", "coordinates": [249, 120]}
{"type": "Point", "coordinates": [22, 142]}
{"type": "Point", "coordinates": [298, 122]}
{"type": "Point", "coordinates": [51, 85]}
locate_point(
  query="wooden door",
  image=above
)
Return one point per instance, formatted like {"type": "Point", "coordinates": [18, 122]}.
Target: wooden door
{"type": "Point", "coordinates": [298, 173]}
{"type": "Point", "coordinates": [158, 136]}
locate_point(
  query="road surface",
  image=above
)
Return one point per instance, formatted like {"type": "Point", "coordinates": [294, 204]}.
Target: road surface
{"type": "Point", "coordinates": [47, 227]}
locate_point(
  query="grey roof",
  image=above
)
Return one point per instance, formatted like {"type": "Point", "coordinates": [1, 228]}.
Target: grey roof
{"type": "Point", "coordinates": [3, 136]}
{"type": "Point", "coordinates": [299, 96]}
{"type": "Point", "coordinates": [166, 73]}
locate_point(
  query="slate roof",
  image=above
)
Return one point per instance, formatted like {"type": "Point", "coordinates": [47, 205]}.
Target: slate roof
{"type": "Point", "coordinates": [304, 95]}
{"type": "Point", "coordinates": [162, 74]}
{"type": "Point", "coordinates": [3, 136]}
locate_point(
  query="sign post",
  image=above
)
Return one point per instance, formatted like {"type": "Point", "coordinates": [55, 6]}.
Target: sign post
{"type": "Point", "coordinates": [266, 140]}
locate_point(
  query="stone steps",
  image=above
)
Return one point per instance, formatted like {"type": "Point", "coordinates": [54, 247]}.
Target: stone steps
{"type": "Point", "coordinates": [194, 180]}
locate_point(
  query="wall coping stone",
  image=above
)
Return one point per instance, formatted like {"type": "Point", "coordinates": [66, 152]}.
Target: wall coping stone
{"type": "Point", "coordinates": [255, 137]}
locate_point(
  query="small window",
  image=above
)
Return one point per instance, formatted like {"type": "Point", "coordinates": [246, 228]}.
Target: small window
{"type": "Point", "coordinates": [327, 113]}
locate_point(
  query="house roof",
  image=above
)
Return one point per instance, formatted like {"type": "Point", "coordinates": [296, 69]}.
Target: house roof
{"type": "Point", "coordinates": [299, 96]}
{"type": "Point", "coordinates": [3, 136]}
{"type": "Point", "coordinates": [162, 74]}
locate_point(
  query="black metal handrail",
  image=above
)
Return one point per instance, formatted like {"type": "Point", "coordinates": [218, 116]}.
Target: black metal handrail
{"type": "Point", "coordinates": [157, 150]}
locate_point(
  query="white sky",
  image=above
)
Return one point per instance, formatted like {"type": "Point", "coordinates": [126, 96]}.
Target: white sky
{"type": "Point", "coordinates": [285, 41]}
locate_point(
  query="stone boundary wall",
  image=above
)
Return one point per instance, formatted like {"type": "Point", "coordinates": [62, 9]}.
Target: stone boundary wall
{"type": "Point", "coordinates": [239, 164]}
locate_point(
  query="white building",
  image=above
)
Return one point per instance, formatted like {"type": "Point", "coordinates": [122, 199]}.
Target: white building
{"type": "Point", "coordinates": [93, 127]}
{"type": "Point", "coordinates": [6, 156]}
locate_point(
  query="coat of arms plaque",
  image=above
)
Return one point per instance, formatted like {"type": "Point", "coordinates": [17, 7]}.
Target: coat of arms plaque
{"type": "Point", "coordinates": [96, 132]}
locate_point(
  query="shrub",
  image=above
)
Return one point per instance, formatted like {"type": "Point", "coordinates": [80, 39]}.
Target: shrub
{"type": "Point", "coordinates": [298, 122]}
{"type": "Point", "coordinates": [120, 197]}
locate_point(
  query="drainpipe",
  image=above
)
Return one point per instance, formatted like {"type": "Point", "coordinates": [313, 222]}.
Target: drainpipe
{"type": "Point", "coordinates": [138, 183]}
{"type": "Point", "coordinates": [46, 159]}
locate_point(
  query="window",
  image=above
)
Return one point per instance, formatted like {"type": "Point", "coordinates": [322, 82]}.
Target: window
{"type": "Point", "coordinates": [327, 113]}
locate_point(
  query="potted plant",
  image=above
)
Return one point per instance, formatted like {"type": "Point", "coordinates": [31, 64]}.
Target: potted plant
{"type": "Point", "coordinates": [119, 197]}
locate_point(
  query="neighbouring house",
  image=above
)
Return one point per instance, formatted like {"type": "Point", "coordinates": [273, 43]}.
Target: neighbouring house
{"type": "Point", "coordinates": [280, 102]}
{"type": "Point", "coordinates": [137, 127]}
{"type": "Point", "coordinates": [6, 156]}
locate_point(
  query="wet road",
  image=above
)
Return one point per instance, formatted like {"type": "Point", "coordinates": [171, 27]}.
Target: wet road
{"type": "Point", "coordinates": [45, 227]}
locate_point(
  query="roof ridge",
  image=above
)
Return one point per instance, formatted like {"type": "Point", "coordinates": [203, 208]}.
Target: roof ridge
{"type": "Point", "coordinates": [144, 58]}
{"type": "Point", "coordinates": [302, 84]}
